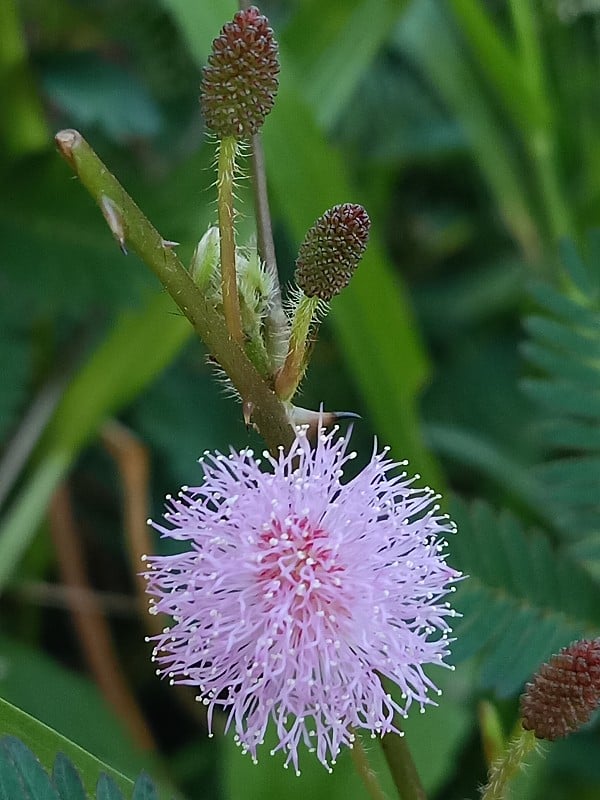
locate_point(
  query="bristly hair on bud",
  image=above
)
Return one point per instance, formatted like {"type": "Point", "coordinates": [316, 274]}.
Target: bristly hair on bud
{"type": "Point", "coordinates": [564, 693]}
{"type": "Point", "coordinates": [331, 250]}
{"type": "Point", "coordinates": [239, 83]}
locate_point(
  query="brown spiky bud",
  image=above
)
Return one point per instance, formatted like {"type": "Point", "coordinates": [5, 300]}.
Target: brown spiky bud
{"type": "Point", "coordinates": [564, 693]}
{"type": "Point", "coordinates": [331, 250]}
{"type": "Point", "coordinates": [239, 83]}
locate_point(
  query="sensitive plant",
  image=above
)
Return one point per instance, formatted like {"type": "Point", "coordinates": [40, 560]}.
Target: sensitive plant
{"type": "Point", "coordinates": [271, 334]}
{"type": "Point", "coordinates": [327, 258]}
{"type": "Point", "coordinates": [234, 301]}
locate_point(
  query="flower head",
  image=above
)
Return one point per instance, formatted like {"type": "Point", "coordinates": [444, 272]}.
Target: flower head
{"type": "Point", "coordinates": [331, 250]}
{"type": "Point", "coordinates": [240, 82]}
{"type": "Point", "coordinates": [299, 592]}
{"type": "Point", "coordinates": [565, 691]}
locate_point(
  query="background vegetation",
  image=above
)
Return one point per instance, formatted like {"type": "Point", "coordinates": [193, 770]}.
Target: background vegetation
{"type": "Point", "coordinates": [469, 341]}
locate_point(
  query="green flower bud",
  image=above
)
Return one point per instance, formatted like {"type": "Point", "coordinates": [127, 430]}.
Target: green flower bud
{"type": "Point", "coordinates": [204, 268]}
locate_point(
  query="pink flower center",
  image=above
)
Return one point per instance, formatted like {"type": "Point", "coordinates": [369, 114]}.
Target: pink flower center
{"type": "Point", "coordinates": [298, 565]}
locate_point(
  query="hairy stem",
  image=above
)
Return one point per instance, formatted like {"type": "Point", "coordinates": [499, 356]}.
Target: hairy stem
{"type": "Point", "coordinates": [402, 767]}
{"type": "Point", "coordinates": [503, 770]}
{"type": "Point", "coordinates": [268, 412]}
{"type": "Point", "coordinates": [291, 373]}
{"type": "Point", "coordinates": [362, 766]}
{"type": "Point", "coordinates": [225, 175]}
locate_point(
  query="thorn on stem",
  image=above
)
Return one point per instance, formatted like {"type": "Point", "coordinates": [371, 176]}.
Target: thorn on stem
{"type": "Point", "coordinates": [114, 220]}
{"type": "Point", "coordinates": [247, 410]}
{"type": "Point", "coordinates": [345, 415]}
{"type": "Point", "coordinates": [317, 419]}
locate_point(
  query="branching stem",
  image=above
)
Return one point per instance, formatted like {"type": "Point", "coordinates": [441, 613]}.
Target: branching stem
{"type": "Point", "coordinates": [269, 413]}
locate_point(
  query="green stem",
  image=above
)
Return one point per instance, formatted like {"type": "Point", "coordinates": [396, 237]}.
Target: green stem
{"type": "Point", "coordinates": [539, 136]}
{"type": "Point", "coordinates": [362, 766]}
{"type": "Point", "coordinates": [225, 176]}
{"type": "Point", "coordinates": [503, 770]}
{"type": "Point", "coordinates": [268, 412]}
{"type": "Point", "coordinates": [497, 59]}
{"type": "Point", "coordinates": [21, 522]}
{"type": "Point", "coordinates": [292, 371]}
{"type": "Point", "coordinates": [402, 767]}
{"type": "Point", "coordinates": [30, 429]}
{"type": "Point", "coordinates": [23, 127]}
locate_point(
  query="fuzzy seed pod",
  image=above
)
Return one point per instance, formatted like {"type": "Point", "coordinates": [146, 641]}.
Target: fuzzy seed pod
{"type": "Point", "coordinates": [331, 250]}
{"type": "Point", "coordinates": [564, 693]}
{"type": "Point", "coordinates": [239, 83]}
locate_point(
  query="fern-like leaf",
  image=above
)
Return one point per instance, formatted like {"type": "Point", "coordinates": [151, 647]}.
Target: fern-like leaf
{"type": "Point", "coordinates": [22, 777]}
{"type": "Point", "coordinates": [67, 780]}
{"type": "Point", "coordinates": [522, 601]}
{"type": "Point", "coordinates": [564, 349]}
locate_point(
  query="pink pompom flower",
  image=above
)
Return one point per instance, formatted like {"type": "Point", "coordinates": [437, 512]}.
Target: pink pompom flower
{"type": "Point", "coordinates": [298, 592]}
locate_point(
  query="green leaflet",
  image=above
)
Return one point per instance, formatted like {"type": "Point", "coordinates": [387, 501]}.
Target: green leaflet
{"type": "Point", "coordinates": [523, 599]}
{"type": "Point", "coordinates": [32, 782]}
{"type": "Point", "coordinates": [564, 352]}
{"type": "Point", "coordinates": [47, 743]}
{"type": "Point", "coordinates": [23, 776]}
{"type": "Point", "coordinates": [66, 779]}
{"type": "Point", "coordinates": [350, 33]}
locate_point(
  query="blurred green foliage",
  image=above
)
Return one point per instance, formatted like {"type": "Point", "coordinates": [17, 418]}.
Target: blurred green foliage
{"type": "Point", "coordinates": [469, 340]}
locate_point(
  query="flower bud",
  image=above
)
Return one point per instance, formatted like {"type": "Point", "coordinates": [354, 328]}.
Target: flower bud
{"type": "Point", "coordinates": [331, 250]}
{"type": "Point", "coordinates": [204, 268]}
{"type": "Point", "coordinates": [239, 83]}
{"type": "Point", "coordinates": [256, 288]}
{"type": "Point", "coordinates": [564, 693]}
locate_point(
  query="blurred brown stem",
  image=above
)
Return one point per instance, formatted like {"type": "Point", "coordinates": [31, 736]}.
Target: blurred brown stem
{"type": "Point", "coordinates": [53, 595]}
{"type": "Point", "coordinates": [132, 460]}
{"type": "Point", "coordinates": [90, 624]}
